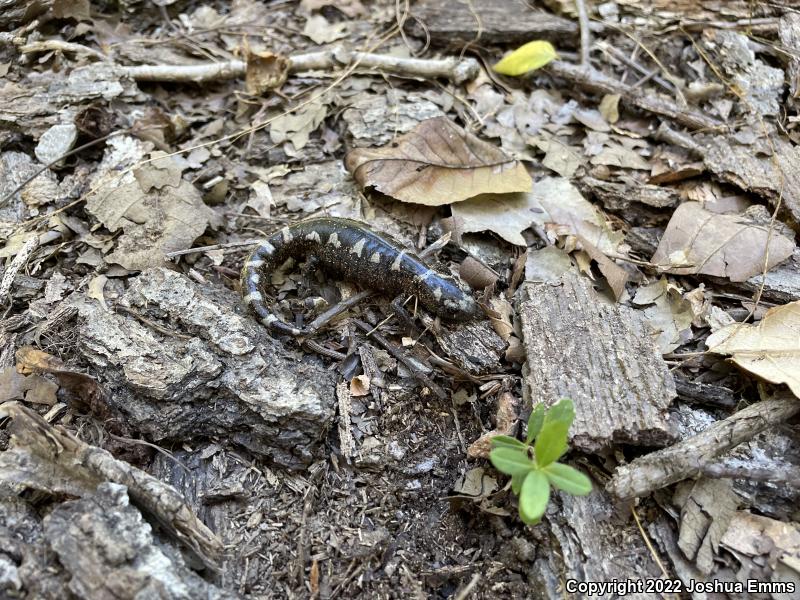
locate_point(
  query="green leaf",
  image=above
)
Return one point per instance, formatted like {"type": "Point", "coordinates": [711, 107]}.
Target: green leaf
{"type": "Point", "coordinates": [529, 57]}
{"type": "Point", "coordinates": [506, 441]}
{"type": "Point", "coordinates": [535, 422]}
{"type": "Point", "coordinates": [516, 482]}
{"type": "Point", "coordinates": [551, 442]}
{"type": "Point", "coordinates": [511, 461]}
{"type": "Point", "coordinates": [533, 497]}
{"type": "Point", "coordinates": [568, 479]}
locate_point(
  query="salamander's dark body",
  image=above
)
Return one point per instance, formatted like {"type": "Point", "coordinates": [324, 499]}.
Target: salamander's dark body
{"type": "Point", "coordinates": [348, 249]}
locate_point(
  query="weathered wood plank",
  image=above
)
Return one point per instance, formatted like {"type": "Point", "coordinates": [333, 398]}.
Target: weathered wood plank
{"type": "Point", "coordinates": [602, 356]}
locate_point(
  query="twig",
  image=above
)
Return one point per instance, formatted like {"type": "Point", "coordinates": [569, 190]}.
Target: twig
{"type": "Point", "coordinates": [583, 20]}
{"type": "Point", "coordinates": [615, 54]}
{"type": "Point", "coordinates": [61, 46]}
{"type": "Point", "coordinates": [336, 310]}
{"type": "Point", "coordinates": [688, 457]}
{"type": "Point", "coordinates": [399, 355]}
{"type": "Point", "coordinates": [789, 476]}
{"type": "Point", "coordinates": [594, 81]}
{"type": "Point", "coordinates": [212, 247]}
{"type": "Point", "coordinates": [458, 70]}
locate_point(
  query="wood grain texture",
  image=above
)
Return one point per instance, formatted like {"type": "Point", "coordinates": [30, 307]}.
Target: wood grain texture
{"type": "Point", "coordinates": [455, 22]}
{"type": "Point", "coordinates": [601, 355]}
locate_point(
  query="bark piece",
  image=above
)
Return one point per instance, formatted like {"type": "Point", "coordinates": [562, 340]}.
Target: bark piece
{"type": "Point", "coordinates": [456, 23]}
{"type": "Point", "coordinates": [590, 536]}
{"type": "Point", "coordinates": [473, 346]}
{"type": "Point", "coordinates": [771, 177]}
{"type": "Point", "coordinates": [204, 370]}
{"type": "Point", "coordinates": [110, 551]}
{"type": "Point", "coordinates": [600, 355]}
{"type": "Point", "coordinates": [686, 459]}
{"type": "Point", "coordinates": [49, 459]}
{"type": "Point", "coordinates": [789, 31]}
{"type": "Point", "coordinates": [618, 196]}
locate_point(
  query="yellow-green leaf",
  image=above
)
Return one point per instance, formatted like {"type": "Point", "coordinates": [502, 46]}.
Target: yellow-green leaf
{"type": "Point", "coordinates": [529, 57]}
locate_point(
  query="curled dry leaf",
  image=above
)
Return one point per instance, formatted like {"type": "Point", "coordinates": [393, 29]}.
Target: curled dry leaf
{"type": "Point", "coordinates": [701, 242]}
{"type": "Point", "coordinates": [437, 163]}
{"type": "Point", "coordinates": [770, 349]}
{"type": "Point", "coordinates": [265, 71]}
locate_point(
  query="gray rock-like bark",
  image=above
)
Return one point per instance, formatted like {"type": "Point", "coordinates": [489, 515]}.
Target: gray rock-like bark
{"type": "Point", "coordinates": [602, 356]}
{"type": "Point", "coordinates": [192, 366]}
{"type": "Point", "coordinates": [110, 552]}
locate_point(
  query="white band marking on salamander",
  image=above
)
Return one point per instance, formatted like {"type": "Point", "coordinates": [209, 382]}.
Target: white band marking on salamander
{"type": "Point", "coordinates": [286, 235]}
{"type": "Point", "coordinates": [313, 236]}
{"type": "Point", "coordinates": [396, 264]}
{"type": "Point", "coordinates": [254, 278]}
{"type": "Point", "coordinates": [266, 248]}
{"type": "Point", "coordinates": [358, 248]}
{"type": "Point", "coordinates": [269, 320]}
{"type": "Point", "coordinates": [437, 293]}
{"type": "Point", "coordinates": [376, 257]}
{"type": "Point", "coordinates": [333, 240]}
{"type": "Point", "coordinates": [253, 297]}
{"type": "Point", "coordinates": [255, 263]}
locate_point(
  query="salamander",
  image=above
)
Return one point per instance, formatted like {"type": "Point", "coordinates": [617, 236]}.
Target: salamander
{"type": "Point", "coordinates": [348, 249]}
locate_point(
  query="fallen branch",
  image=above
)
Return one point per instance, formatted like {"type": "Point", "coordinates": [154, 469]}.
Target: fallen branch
{"type": "Point", "coordinates": [455, 69]}
{"type": "Point", "coordinates": [688, 458]}
{"type": "Point", "coordinates": [594, 81]}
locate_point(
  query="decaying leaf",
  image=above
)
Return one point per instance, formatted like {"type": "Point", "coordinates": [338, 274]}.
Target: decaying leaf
{"type": "Point", "coordinates": [670, 315]}
{"type": "Point", "coordinates": [322, 31]}
{"type": "Point", "coordinates": [701, 242]}
{"type": "Point", "coordinates": [155, 207]}
{"type": "Point", "coordinates": [528, 57]}
{"type": "Point", "coordinates": [437, 163]}
{"type": "Point", "coordinates": [553, 201]}
{"type": "Point", "coordinates": [296, 127]}
{"type": "Point", "coordinates": [770, 349]}
{"type": "Point", "coordinates": [265, 71]}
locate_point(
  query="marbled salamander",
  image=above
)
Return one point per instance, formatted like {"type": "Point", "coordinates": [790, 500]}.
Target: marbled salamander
{"type": "Point", "coordinates": [348, 249]}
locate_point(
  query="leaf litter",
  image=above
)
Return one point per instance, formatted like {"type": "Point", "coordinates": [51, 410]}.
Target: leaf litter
{"type": "Point", "coordinates": [616, 168]}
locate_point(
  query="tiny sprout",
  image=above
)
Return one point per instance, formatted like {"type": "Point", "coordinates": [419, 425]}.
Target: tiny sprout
{"type": "Point", "coordinates": [532, 464]}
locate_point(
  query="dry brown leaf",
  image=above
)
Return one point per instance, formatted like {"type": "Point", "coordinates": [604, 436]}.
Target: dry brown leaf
{"type": "Point", "coordinates": [437, 163]}
{"type": "Point", "coordinates": [616, 276]}
{"type": "Point", "coordinates": [701, 242]}
{"type": "Point", "coordinates": [359, 385]}
{"type": "Point", "coordinates": [770, 349]}
{"type": "Point", "coordinates": [669, 314]}
{"type": "Point", "coordinates": [265, 71]}
{"type": "Point", "coordinates": [157, 209]}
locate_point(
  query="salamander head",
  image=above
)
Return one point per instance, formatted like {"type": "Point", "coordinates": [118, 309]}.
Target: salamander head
{"type": "Point", "coordinates": [453, 303]}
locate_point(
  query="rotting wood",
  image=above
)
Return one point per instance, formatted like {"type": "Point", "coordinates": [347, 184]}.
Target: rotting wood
{"type": "Point", "coordinates": [49, 459]}
{"type": "Point", "coordinates": [473, 346]}
{"type": "Point", "coordinates": [686, 459]}
{"type": "Point", "coordinates": [455, 23]}
{"type": "Point", "coordinates": [230, 378]}
{"type": "Point", "coordinates": [588, 528]}
{"type": "Point", "coordinates": [600, 355]}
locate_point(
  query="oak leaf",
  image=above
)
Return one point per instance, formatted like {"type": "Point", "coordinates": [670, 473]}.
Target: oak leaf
{"type": "Point", "coordinates": [437, 163]}
{"type": "Point", "coordinates": [698, 241]}
{"type": "Point", "coordinates": [770, 349]}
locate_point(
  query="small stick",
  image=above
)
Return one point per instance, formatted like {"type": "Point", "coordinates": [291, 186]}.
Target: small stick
{"type": "Point", "coordinates": [789, 476]}
{"type": "Point", "coordinates": [688, 458]}
{"type": "Point", "coordinates": [399, 355]}
{"type": "Point", "coordinates": [336, 310]}
{"type": "Point", "coordinates": [594, 81]}
{"type": "Point", "coordinates": [583, 19]}
{"type": "Point", "coordinates": [455, 69]}
{"type": "Point", "coordinates": [212, 247]}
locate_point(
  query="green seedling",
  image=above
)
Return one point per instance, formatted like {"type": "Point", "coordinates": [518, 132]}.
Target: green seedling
{"type": "Point", "coordinates": [532, 464]}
